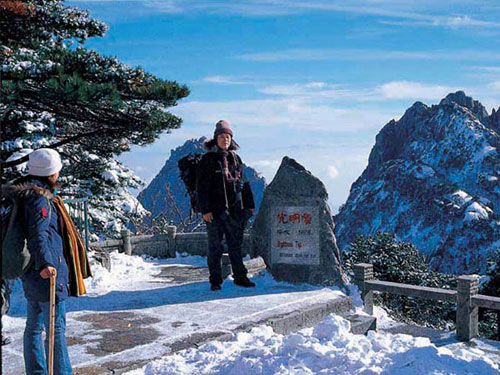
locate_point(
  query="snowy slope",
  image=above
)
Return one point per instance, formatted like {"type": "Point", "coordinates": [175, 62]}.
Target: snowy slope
{"type": "Point", "coordinates": [433, 180]}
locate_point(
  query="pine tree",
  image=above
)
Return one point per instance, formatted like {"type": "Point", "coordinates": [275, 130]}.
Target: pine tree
{"type": "Point", "coordinates": [56, 93]}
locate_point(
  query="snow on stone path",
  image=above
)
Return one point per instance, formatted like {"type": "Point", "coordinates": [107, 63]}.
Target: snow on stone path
{"type": "Point", "coordinates": [163, 310]}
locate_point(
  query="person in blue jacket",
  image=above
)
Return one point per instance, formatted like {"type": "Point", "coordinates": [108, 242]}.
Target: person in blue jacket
{"type": "Point", "coordinates": [45, 245]}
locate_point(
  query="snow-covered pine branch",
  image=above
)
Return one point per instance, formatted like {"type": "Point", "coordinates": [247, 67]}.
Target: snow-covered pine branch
{"type": "Point", "coordinates": [56, 93]}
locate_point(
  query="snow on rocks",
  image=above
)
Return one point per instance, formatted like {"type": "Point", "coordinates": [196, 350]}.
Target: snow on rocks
{"type": "Point", "coordinates": [476, 212]}
{"type": "Point", "coordinates": [460, 197]}
{"type": "Point", "coordinates": [421, 172]}
{"type": "Point", "coordinates": [328, 348]}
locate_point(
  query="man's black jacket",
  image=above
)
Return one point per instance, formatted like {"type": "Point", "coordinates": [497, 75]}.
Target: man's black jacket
{"type": "Point", "coordinates": [210, 183]}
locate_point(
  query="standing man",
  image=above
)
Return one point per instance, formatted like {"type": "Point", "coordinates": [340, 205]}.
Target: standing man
{"type": "Point", "coordinates": [226, 203]}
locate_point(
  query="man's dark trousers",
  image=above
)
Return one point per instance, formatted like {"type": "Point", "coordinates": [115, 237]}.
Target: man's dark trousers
{"type": "Point", "coordinates": [231, 226]}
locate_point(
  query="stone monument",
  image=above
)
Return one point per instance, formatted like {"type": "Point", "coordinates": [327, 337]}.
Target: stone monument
{"type": "Point", "coordinates": [293, 231]}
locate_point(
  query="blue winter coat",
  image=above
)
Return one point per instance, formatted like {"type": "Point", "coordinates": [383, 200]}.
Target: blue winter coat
{"type": "Point", "coordinates": [44, 243]}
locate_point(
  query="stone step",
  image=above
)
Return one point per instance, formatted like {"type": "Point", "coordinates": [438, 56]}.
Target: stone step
{"type": "Point", "coordinates": [309, 317]}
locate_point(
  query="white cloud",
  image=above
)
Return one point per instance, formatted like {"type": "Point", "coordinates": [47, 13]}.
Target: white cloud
{"type": "Point", "coordinates": [413, 90]}
{"type": "Point", "coordinates": [333, 172]}
{"type": "Point", "coordinates": [495, 85]}
{"type": "Point", "coordinates": [422, 13]}
{"type": "Point", "coordinates": [264, 163]}
{"type": "Point", "coordinates": [451, 22]}
{"type": "Point", "coordinates": [387, 91]}
{"type": "Point", "coordinates": [299, 89]}
{"type": "Point", "coordinates": [283, 112]}
{"type": "Point", "coordinates": [316, 85]}
{"type": "Point", "coordinates": [491, 69]}
{"type": "Point", "coordinates": [224, 80]}
{"type": "Point", "coordinates": [323, 54]}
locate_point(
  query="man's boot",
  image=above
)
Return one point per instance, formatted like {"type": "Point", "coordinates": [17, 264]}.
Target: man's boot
{"type": "Point", "coordinates": [244, 282]}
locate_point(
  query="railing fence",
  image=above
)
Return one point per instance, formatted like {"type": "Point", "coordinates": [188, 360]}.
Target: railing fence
{"type": "Point", "coordinates": [465, 296]}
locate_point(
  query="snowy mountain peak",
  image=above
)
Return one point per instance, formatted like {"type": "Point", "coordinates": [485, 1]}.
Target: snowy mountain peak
{"type": "Point", "coordinates": [463, 100]}
{"type": "Point", "coordinates": [433, 180]}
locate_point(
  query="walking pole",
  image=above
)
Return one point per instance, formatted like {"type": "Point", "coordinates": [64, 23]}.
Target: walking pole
{"type": "Point", "coordinates": [52, 323]}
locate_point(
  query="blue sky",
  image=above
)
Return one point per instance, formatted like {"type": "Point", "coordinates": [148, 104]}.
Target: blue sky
{"type": "Point", "coordinates": [313, 80]}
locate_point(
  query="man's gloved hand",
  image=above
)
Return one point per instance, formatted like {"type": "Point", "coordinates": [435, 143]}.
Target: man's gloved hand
{"type": "Point", "coordinates": [208, 217]}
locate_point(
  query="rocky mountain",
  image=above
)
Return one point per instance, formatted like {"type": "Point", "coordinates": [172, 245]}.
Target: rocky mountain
{"type": "Point", "coordinates": [433, 180]}
{"type": "Point", "coordinates": [166, 194]}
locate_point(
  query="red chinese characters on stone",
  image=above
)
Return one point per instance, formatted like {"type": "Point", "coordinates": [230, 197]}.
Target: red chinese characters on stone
{"type": "Point", "coordinates": [306, 218]}
{"type": "Point", "coordinates": [294, 218]}
{"type": "Point", "coordinates": [282, 217]}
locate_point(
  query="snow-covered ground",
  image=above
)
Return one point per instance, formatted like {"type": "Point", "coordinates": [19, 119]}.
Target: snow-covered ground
{"type": "Point", "coordinates": [328, 348]}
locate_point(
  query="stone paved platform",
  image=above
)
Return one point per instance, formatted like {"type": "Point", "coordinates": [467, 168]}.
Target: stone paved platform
{"type": "Point", "coordinates": [107, 336]}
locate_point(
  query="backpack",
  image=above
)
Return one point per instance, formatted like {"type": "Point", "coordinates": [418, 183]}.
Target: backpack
{"type": "Point", "coordinates": [16, 258]}
{"type": "Point", "coordinates": [187, 170]}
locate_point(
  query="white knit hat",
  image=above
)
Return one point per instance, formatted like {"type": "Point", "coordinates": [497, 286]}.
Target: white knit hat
{"type": "Point", "coordinates": [44, 162]}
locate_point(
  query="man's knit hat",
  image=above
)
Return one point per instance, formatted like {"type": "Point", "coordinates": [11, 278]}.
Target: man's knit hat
{"type": "Point", "coordinates": [222, 127]}
{"type": "Point", "coordinates": [44, 162]}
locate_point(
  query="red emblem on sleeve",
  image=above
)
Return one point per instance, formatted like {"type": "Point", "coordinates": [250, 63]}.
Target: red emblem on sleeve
{"type": "Point", "coordinates": [44, 212]}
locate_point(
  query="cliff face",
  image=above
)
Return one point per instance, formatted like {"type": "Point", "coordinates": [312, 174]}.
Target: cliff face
{"type": "Point", "coordinates": [167, 192]}
{"type": "Point", "coordinates": [433, 180]}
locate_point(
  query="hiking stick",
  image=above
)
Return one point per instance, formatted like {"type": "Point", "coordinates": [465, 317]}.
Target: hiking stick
{"type": "Point", "coordinates": [52, 323]}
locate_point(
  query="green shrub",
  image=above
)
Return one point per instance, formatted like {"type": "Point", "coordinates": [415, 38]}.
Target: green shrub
{"type": "Point", "coordinates": [402, 263]}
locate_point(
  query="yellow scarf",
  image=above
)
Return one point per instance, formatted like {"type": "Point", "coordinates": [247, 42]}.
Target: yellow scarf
{"type": "Point", "coordinates": [74, 251]}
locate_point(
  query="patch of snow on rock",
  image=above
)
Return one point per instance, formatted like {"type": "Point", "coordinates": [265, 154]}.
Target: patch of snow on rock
{"type": "Point", "coordinates": [476, 212]}
{"type": "Point", "coordinates": [461, 198]}
{"type": "Point", "coordinates": [422, 172]}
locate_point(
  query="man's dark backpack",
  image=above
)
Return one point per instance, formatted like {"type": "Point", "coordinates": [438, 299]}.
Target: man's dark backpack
{"type": "Point", "coordinates": [15, 255]}
{"type": "Point", "coordinates": [187, 170]}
